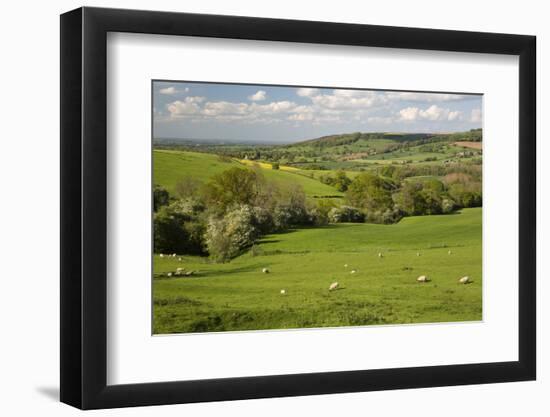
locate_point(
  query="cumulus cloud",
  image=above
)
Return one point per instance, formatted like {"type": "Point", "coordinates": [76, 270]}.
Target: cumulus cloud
{"type": "Point", "coordinates": [307, 92]}
{"type": "Point", "coordinates": [376, 109]}
{"type": "Point", "coordinates": [170, 91]}
{"type": "Point", "coordinates": [258, 96]}
{"type": "Point", "coordinates": [186, 107]}
{"type": "Point", "coordinates": [432, 113]}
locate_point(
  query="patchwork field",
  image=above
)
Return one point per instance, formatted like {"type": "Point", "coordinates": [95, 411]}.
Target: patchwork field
{"type": "Point", "coordinates": [304, 262]}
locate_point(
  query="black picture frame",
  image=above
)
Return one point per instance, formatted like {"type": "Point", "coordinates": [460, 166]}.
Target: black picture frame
{"type": "Point", "coordinates": [84, 207]}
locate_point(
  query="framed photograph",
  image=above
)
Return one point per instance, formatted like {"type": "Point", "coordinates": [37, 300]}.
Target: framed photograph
{"type": "Point", "coordinates": [257, 208]}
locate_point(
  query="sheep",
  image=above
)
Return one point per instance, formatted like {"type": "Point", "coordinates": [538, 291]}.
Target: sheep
{"type": "Point", "coordinates": [189, 273]}
{"type": "Point", "coordinates": [422, 278]}
{"type": "Point", "coordinates": [353, 271]}
{"type": "Point", "coordinates": [179, 270]}
{"type": "Point", "coordinates": [162, 255]}
{"type": "Point", "coordinates": [345, 265]}
{"type": "Point", "coordinates": [449, 253]}
{"type": "Point", "coordinates": [265, 271]}
{"type": "Point", "coordinates": [179, 259]}
{"type": "Point", "coordinates": [283, 292]}
{"type": "Point", "coordinates": [169, 274]}
{"type": "Point", "coordinates": [417, 253]}
{"type": "Point", "coordinates": [333, 286]}
{"type": "Point", "coordinates": [173, 255]}
{"type": "Point", "coordinates": [464, 280]}
{"type": "Point", "coordinates": [380, 255]}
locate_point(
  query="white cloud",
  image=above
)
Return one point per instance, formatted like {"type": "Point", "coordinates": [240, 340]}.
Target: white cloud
{"type": "Point", "coordinates": [168, 91]}
{"type": "Point", "coordinates": [274, 107]}
{"type": "Point", "coordinates": [219, 108]}
{"type": "Point", "coordinates": [409, 113]}
{"type": "Point", "coordinates": [189, 106]}
{"type": "Point", "coordinates": [258, 96]}
{"type": "Point", "coordinates": [307, 92]}
{"type": "Point", "coordinates": [432, 113]}
{"type": "Point", "coordinates": [475, 116]}
{"type": "Point", "coordinates": [301, 117]}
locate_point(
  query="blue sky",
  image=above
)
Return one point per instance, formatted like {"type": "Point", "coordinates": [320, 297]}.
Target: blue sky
{"type": "Point", "coordinates": [288, 114]}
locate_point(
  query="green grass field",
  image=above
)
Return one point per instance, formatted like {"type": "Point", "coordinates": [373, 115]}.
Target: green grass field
{"type": "Point", "coordinates": [171, 166]}
{"type": "Point", "coordinates": [304, 262]}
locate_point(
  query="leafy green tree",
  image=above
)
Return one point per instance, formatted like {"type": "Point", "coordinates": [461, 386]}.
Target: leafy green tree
{"type": "Point", "coordinates": [232, 187]}
{"type": "Point", "coordinates": [160, 197]}
{"type": "Point", "coordinates": [188, 187]}
{"type": "Point", "coordinates": [341, 181]}
{"type": "Point", "coordinates": [370, 192]}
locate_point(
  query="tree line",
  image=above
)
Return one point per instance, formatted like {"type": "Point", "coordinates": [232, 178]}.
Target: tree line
{"type": "Point", "coordinates": [232, 210]}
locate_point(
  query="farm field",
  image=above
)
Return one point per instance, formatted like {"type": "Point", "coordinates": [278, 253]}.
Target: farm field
{"type": "Point", "coordinates": [305, 261]}
{"type": "Point", "coordinates": [171, 166]}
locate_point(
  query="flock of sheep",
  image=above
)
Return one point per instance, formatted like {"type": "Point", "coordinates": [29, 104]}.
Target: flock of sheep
{"type": "Point", "coordinates": [334, 286]}
{"type": "Point", "coordinates": [421, 279]}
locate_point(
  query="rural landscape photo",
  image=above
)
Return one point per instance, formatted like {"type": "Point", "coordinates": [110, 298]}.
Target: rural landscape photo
{"type": "Point", "coordinates": [283, 207]}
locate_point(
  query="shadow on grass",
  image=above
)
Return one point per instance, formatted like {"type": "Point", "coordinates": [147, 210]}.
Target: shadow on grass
{"type": "Point", "coordinates": [219, 273]}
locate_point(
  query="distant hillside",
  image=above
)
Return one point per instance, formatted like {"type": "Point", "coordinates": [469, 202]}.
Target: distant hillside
{"type": "Point", "coordinates": [351, 138]}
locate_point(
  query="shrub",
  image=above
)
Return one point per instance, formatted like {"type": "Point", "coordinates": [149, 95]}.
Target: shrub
{"type": "Point", "coordinates": [275, 165]}
{"type": "Point", "coordinates": [187, 187]}
{"type": "Point", "coordinates": [346, 214]}
{"type": "Point", "coordinates": [262, 220]}
{"type": "Point", "coordinates": [160, 197]}
{"type": "Point", "coordinates": [169, 235]}
{"type": "Point", "coordinates": [227, 236]}
{"type": "Point", "coordinates": [371, 192]}
{"type": "Point", "coordinates": [179, 228]}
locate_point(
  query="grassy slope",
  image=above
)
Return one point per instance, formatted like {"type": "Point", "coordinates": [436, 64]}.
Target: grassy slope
{"type": "Point", "coordinates": [171, 166]}
{"type": "Point", "coordinates": [238, 296]}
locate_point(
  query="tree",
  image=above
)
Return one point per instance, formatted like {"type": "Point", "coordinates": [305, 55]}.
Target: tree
{"type": "Point", "coordinates": [160, 197]}
{"type": "Point", "coordinates": [226, 236]}
{"type": "Point", "coordinates": [187, 187]}
{"type": "Point", "coordinates": [370, 192]}
{"type": "Point", "coordinates": [232, 187]}
{"type": "Point", "coordinates": [177, 229]}
{"type": "Point", "coordinates": [275, 165]}
{"type": "Point", "coordinates": [341, 181]}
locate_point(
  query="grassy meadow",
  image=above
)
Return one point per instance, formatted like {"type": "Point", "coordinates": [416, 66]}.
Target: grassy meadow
{"type": "Point", "coordinates": [303, 262]}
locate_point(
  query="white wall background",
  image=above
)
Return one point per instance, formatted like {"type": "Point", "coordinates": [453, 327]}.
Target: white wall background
{"type": "Point", "coordinates": [29, 225]}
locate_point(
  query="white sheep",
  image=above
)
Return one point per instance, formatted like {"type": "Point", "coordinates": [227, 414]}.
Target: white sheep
{"type": "Point", "coordinates": [380, 255]}
{"type": "Point", "coordinates": [417, 253]}
{"type": "Point", "coordinates": [162, 255]}
{"type": "Point", "coordinates": [169, 274]}
{"type": "Point", "coordinates": [188, 273]}
{"type": "Point", "coordinates": [422, 278]}
{"type": "Point", "coordinates": [464, 280]}
{"type": "Point", "coordinates": [449, 253]}
{"type": "Point", "coordinates": [179, 259]}
{"type": "Point", "coordinates": [173, 255]}
{"type": "Point", "coordinates": [265, 271]}
{"type": "Point", "coordinates": [283, 292]}
{"type": "Point", "coordinates": [345, 265]}
{"type": "Point", "coordinates": [333, 286]}
{"type": "Point", "coordinates": [179, 270]}
{"type": "Point", "coordinates": [353, 271]}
